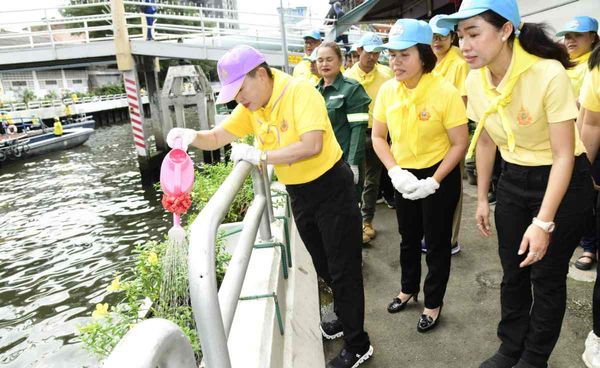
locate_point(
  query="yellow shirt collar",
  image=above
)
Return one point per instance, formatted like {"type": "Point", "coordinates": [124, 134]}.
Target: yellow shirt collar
{"type": "Point", "coordinates": [521, 62]}
{"type": "Point", "coordinates": [582, 59]}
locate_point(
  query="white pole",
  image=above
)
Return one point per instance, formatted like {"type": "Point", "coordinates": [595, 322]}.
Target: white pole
{"type": "Point", "coordinates": [286, 65]}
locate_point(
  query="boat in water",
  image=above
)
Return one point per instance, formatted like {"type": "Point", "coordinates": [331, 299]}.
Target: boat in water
{"type": "Point", "coordinates": [23, 145]}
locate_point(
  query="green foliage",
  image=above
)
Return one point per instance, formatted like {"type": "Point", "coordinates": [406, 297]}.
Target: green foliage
{"type": "Point", "coordinates": [51, 95]}
{"type": "Point", "coordinates": [109, 89]}
{"type": "Point", "coordinates": [110, 324]}
{"type": "Point", "coordinates": [208, 180]}
{"type": "Point", "coordinates": [28, 95]}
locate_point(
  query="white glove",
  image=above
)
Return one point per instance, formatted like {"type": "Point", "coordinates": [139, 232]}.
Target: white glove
{"type": "Point", "coordinates": [424, 188]}
{"type": "Point", "coordinates": [187, 137]}
{"type": "Point", "coordinates": [354, 169]}
{"type": "Point", "coordinates": [403, 180]}
{"type": "Point", "coordinates": [245, 152]}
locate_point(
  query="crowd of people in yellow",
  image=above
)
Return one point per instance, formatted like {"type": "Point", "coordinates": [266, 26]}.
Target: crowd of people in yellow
{"type": "Point", "coordinates": [331, 129]}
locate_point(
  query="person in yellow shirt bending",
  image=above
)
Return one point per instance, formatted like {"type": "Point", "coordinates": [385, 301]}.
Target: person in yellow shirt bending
{"type": "Point", "coordinates": [312, 40]}
{"type": "Point", "coordinates": [368, 72]}
{"type": "Point", "coordinates": [292, 132]}
{"type": "Point", "coordinates": [590, 135]}
{"type": "Point", "coordinates": [425, 118]}
{"type": "Point", "coordinates": [519, 96]}
{"type": "Point", "coordinates": [580, 37]}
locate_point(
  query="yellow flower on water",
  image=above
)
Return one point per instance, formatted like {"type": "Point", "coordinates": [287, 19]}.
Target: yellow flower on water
{"type": "Point", "coordinates": [115, 285]}
{"type": "Point", "coordinates": [101, 311]}
{"type": "Point", "coordinates": [153, 258]}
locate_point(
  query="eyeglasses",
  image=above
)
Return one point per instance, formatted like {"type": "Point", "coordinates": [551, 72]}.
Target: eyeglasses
{"type": "Point", "coordinates": [439, 37]}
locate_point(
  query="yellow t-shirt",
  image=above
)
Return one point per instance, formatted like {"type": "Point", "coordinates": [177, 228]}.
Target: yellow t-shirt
{"type": "Point", "coordinates": [577, 73]}
{"type": "Point", "coordinates": [371, 82]}
{"type": "Point", "coordinates": [590, 91]}
{"type": "Point", "coordinates": [540, 97]}
{"type": "Point", "coordinates": [454, 69]}
{"type": "Point", "coordinates": [302, 69]}
{"type": "Point", "coordinates": [438, 107]}
{"type": "Point", "coordinates": [295, 108]}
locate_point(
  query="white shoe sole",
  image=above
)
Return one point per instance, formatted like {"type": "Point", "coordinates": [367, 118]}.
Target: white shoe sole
{"type": "Point", "coordinates": [587, 364]}
{"type": "Point", "coordinates": [331, 337]}
{"type": "Point", "coordinates": [365, 357]}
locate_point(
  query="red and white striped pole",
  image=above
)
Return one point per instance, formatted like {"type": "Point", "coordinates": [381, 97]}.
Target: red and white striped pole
{"type": "Point", "coordinates": [136, 113]}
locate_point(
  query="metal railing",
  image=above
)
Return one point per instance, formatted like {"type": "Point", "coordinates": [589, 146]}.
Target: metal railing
{"type": "Point", "coordinates": [191, 21]}
{"type": "Point", "coordinates": [40, 104]}
{"type": "Point", "coordinates": [213, 308]}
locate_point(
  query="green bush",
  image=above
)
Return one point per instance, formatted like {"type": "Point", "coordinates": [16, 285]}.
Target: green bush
{"type": "Point", "coordinates": [111, 323]}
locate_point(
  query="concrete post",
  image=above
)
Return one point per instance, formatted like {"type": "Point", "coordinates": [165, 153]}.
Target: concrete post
{"type": "Point", "coordinates": [150, 69]}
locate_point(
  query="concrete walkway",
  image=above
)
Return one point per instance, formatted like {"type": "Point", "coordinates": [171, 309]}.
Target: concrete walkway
{"type": "Point", "coordinates": [467, 332]}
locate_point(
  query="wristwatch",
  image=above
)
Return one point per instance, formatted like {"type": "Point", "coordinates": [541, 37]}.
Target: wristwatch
{"type": "Point", "coordinates": [263, 156]}
{"type": "Point", "coordinates": [546, 226]}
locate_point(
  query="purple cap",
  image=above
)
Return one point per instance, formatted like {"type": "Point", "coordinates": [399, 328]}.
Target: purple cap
{"type": "Point", "coordinates": [233, 67]}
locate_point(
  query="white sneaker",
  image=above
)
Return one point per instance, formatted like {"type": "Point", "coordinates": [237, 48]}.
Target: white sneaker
{"type": "Point", "coordinates": [591, 355]}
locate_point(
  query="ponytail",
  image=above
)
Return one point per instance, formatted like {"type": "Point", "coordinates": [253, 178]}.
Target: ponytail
{"type": "Point", "coordinates": [534, 38]}
{"type": "Point", "coordinates": [594, 61]}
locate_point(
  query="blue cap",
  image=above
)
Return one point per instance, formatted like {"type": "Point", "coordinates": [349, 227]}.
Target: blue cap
{"type": "Point", "coordinates": [508, 9]}
{"type": "Point", "coordinates": [580, 25]}
{"type": "Point", "coordinates": [313, 33]}
{"type": "Point", "coordinates": [370, 41]}
{"type": "Point", "coordinates": [406, 33]}
{"type": "Point", "coordinates": [439, 30]}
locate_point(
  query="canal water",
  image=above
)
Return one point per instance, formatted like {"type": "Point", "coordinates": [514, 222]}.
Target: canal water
{"type": "Point", "coordinates": [68, 224]}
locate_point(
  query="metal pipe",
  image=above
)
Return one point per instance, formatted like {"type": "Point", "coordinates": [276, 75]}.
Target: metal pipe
{"type": "Point", "coordinates": [266, 179]}
{"type": "Point", "coordinates": [286, 65]}
{"type": "Point", "coordinates": [231, 286]}
{"type": "Point", "coordinates": [258, 185]}
{"type": "Point", "coordinates": [201, 264]}
{"type": "Point", "coordinates": [154, 342]}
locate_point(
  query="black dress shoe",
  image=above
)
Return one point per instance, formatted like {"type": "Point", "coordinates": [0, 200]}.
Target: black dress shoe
{"type": "Point", "coordinates": [499, 361]}
{"type": "Point", "coordinates": [426, 323]}
{"type": "Point", "coordinates": [397, 305]}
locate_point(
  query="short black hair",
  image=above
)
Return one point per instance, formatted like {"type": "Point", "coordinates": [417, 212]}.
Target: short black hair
{"type": "Point", "coordinates": [263, 65]}
{"type": "Point", "coordinates": [427, 56]}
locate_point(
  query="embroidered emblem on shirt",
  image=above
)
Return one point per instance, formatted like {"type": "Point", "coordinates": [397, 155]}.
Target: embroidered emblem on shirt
{"type": "Point", "coordinates": [424, 115]}
{"type": "Point", "coordinates": [523, 117]}
{"type": "Point", "coordinates": [224, 73]}
{"type": "Point", "coordinates": [283, 126]}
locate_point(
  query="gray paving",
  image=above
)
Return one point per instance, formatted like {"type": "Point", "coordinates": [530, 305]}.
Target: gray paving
{"type": "Point", "coordinates": [466, 334]}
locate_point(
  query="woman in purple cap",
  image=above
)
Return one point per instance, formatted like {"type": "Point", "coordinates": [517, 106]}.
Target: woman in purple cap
{"type": "Point", "coordinates": [289, 120]}
{"type": "Point", "coordinates": [520, 96]}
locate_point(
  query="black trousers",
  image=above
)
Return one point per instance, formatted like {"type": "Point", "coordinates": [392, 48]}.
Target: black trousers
{"type": "Point", "coordinates": [533, 299]}
{"type": "Point", "coordinates": [330, 225]}
{"type": "Point", "coordinates": [430, 217]}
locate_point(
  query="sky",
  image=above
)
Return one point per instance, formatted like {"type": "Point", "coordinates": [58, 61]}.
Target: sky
{"type": "Point", "coordinates": [318, 7]}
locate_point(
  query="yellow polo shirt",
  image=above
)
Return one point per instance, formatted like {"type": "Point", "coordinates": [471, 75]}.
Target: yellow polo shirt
{"type": "Point", "coordinates": [371, 82]}
{"type": "Point", "coordinates": [590, 91]}
{"type": "Point", "coordinates": [540, 97]}
{"type": "Point", "coordinates": [577, 73]}
{"type": "Point", "coordinates": [302, 69]}
{"type": "Point", "coordinates": [295, 108]}
{"type": "Point", "coordinates": [454, 69]}
{"type": "Point", "coordinates": [419, 138]}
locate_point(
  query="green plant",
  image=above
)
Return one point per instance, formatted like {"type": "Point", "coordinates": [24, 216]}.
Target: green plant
{"type": "Point", "coordinates": [109, 89]}
{"type": "Point", "coordinates": [130, 298]}
{"type": "Point", "coordinates": [28, 95]}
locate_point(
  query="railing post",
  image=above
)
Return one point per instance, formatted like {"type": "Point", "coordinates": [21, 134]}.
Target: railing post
{"type": "Point", "coordinates": [259, 187]}
{"type": "Point", "coordinates": [30, 37]}
{"type": "Point", "coordinates": [264, 170]}
{"type": "Point", "coordinates": [49, 27]}
{"type": "Point", "coordinates": [87, 32]}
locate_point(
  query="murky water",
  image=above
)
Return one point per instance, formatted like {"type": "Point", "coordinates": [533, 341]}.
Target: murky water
{"type": "Point", "coordinates": [68, 223]}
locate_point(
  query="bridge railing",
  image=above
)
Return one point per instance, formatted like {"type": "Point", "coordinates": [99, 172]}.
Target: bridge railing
{"type": "Point", "coordinates": [40, 104]}
{"type": "Point", "coordinates": [172, 21]}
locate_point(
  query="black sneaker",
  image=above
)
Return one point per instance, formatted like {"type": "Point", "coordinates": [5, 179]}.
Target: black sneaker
{"type": "Point", "coordinates": [492, 198]}
{"type": "Point", "coordinates": [455, 248]}
{"type": "Point", "coordinates": [346, 359]}
{"type": "Point", "coordinates": [391, 204]}
{"type": "Point", "coordinates": [332, 330]}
